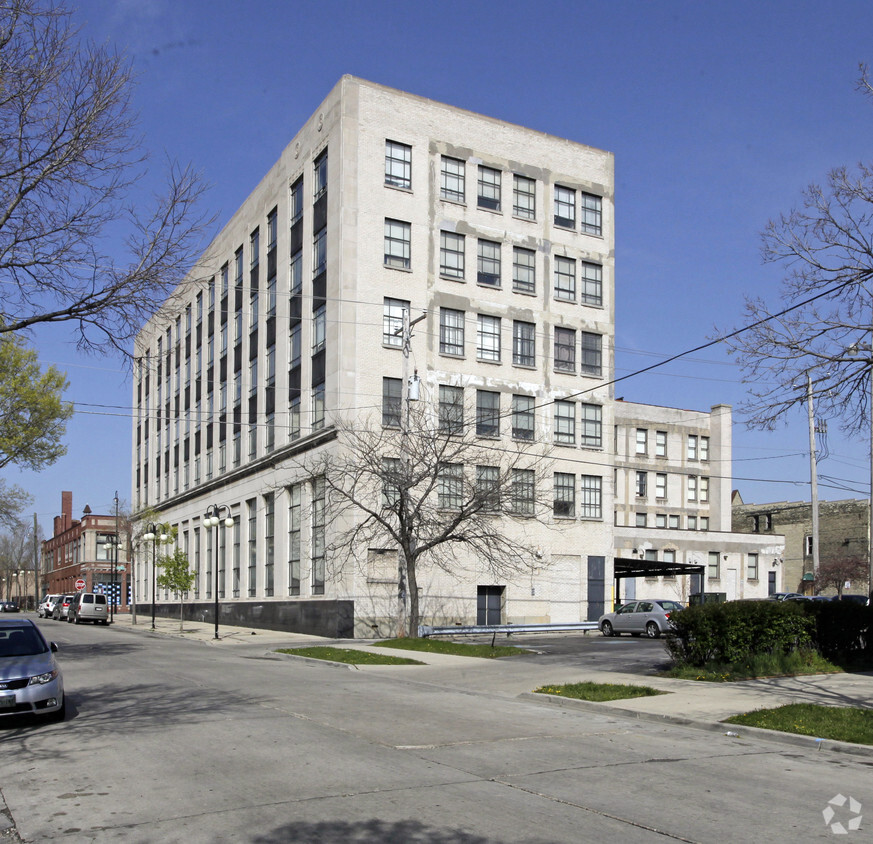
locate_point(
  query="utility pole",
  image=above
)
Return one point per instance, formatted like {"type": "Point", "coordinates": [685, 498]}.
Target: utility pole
{"type": "Point", "coordinates": [813, 476]}
{"type": "Point", "coordinates": [35, 562]}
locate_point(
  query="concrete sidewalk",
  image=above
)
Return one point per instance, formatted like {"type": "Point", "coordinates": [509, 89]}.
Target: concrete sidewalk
{"type": "Point", "coordinates": [686, 702]}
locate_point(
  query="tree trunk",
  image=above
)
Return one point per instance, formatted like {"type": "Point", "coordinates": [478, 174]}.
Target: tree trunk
{"type": "Point", "coordinates": [412, 585]}
{"type": "Point", "coordinates": [181, 607]}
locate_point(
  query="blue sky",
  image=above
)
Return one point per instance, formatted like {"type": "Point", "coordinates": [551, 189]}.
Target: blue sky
{"type": "Point", "coordinates": [718, 114]}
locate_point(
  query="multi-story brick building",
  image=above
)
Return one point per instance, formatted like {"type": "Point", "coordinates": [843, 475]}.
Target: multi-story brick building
{"type": "Point", "coordinates": [385, 203]}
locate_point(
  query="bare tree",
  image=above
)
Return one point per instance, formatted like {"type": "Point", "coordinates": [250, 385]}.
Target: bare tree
{"type": "Point", "coordinates": [437, 493]}
{"type": "Point", "coordinates": [837, 571]}
{"type": "Point", "coordinates": [70, 163]}
{"type": "Point", "coordinates": [16, 559]}
{"type": "Point", "coordinates": [824, 326]}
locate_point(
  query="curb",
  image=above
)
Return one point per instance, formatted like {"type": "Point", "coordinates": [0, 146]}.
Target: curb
{"type": "Point", "coordinates": [728, 730]}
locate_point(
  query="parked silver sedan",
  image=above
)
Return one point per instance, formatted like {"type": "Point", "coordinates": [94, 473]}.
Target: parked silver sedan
{"type": "Point", "coordinates": [651, 617]}
{"type": "Point", "coordinates": [30, 677]}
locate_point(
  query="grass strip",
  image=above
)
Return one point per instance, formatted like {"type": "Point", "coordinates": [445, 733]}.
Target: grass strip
{"type": "Point", "coordinates": [352, 657]}
{"type": "Point", "coordinates": [438, 646]}
{"type": "Point", "coordinates": [839, 723]}
{"type": "Point", "coordinates": [598, 691]}
{"type": "Point", "coordinates": [756, 665]}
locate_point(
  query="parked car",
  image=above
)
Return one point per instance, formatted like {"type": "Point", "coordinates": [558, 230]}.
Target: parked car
{"type": "Point", "coordinates": [651, 617]}
{"type": "Point", "coordinates": [30, 677]}
{"type": "Point", "coordinates": [783, 596]}
{"type": "Point", "coordinates": [808, 598]}
{"type": "Point", "coordinates": [863, 600]}
{"type": "Point", "coordinates": [62, 607]}
{"type": "Point", "coordinates": [8, 606]}
{"type": "Point", "coordinates": [89, 606]}
{"type": "Point", "coordinates": [46, 606]}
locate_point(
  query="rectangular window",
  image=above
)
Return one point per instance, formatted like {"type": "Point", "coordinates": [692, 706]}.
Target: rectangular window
{"type": "Point", "coordinates": [398, 165]}
{"type": "Point", "coordinates": [592, 214]}
{"type": "Point", "coordinates": [255, 249]}
{"type": "Point", "coordinates": [488, 487]}
{"type": "Point", "coordinates": [660, 485]}
{"type": "Point", "coordinates": [451, 409]}
{"type": "Point", "coordinates": [673, 522]}
{"type": "Point", "coordinates": [269, 542]}
{"type": "Point", "coordinates": [692, 447]}
{"type": "Point", "coordinates": [712, 568]}
{"type": "Point", "coordinates": [660, 443]}
{"type": "Point", "coordinates": [640, 520]}
{"type": "Point", "coordinates": [565, 349]}
{"type": "Point", "coordinates": [565, 422]}
{"type": "Point", "coordinates": [522, 491]}
{"type": "Point", "coordinates": [319, 328]}
{"type": "Point", "coordinates": [591, 282]}
{"type": "Point", "coordinates": [296, 201]}
{"type": "Point", "coordinates": [390, 481]}
{"type": "Point", "coordinates": [591, 496]}
{"type": "Point", "coordinates": [488, 267]}
{"type": "Point", "coordinates": [319, 253]}
{"type": "Point", "coordinates": [523, 270]}
{"type": "Point", "coordinates": [451, 332]}
{"type": "Point", "coordinates": [565, 279]}
{"type": "Point", "coordinates": [320, 173]}
{"type": "Point", "coordinates": [450, 486]}
{"type": "Point", "coordinates": [591, 435]}
{"type": "Point", "coordinates": [392, 321]}
{"type": "Point", "coordinates": [642, 441]}
{"type": "Point", "coordinates": [295, 345]}
{"type": "Point", "coordinates": [398, 244]}
{"type": "Point", "coordinates": [751, 566]}
{"type": "Point", "coordinates": [704, 489]}
{"type": "Point", "coordinates": [252, 537]}
{"type": "Point", "coordinates": [391, 402]}
{"type": "Point", "coordinates": [704, 522]}
{"type": "Point", "coordinates": [452, 179]}
{"type": "Point", "coordinates": [691, 523]}
{"type": "Point", "coordinates": [704, 448]}
{"type": "Point", "coordinates": [523, 343]}
{"type": "Point", "coordinates": [489, 188]}
{"type": "Point", "coordinates": [451, 255]}
{"type": "Point", "coordinates": [642, 484]}
{"type": "Point", "coordinates": [565, 207]}
{"type": "Point", "coordinates": [524, 197]}
{"type": "Point", "coordinates": [692, 487]}
{"type": "Point", "coordinates": [487, 413]}
{"type": "Point", "coordinates": [318, 535]}
{"type": "Point", "coordinates": [294, 534]}
{"type": "Point", "coordinates": [523, 417]}
{"type": "Point", "coordinates": [591, 362]}
{"type": "Point", "coordinates": [488, 338]}
{"type": "Point", "coordinates": [565, 495]}
{"type": "Point", "coordinates": [660, 520]}
{"type": "Point", "coordinates": [318, 407]}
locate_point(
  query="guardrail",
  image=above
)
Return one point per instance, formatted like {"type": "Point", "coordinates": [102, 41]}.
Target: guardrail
{"type": "Point", "coordinates": [460, 630]}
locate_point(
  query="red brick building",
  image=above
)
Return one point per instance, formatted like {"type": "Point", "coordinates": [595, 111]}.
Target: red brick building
{"type": "Point", "coordinates": [77, 551]}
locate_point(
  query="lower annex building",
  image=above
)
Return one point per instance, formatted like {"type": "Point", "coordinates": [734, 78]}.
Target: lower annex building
{"type": "Point", "coordinates": [383, 208]}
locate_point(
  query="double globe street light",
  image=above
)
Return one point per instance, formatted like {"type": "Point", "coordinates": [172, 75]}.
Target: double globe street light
{"type": "Point", "coordinates": [155, 534]}
{"type": "Point", "coordinates": [213, 519]}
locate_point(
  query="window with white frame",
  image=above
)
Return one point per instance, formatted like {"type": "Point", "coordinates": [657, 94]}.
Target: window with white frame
{"type": "Point", "coordinates": [704, 489]}
{"type": "Point", "coordinates": [807, 545]}
{"type": "Point", "coordinates": [524, 197]}
{"type": "Point", "coordinates": [565, 279]}
{"type": "Point", "coordinates": [488, 266]}
{"type": "Point", "coordinates": [752, 566]}
{"type": "Point", "coordinates": [713, 565]}
{"type": "Point", "coordinates": [523, 270]}
{"type": "Point", "coordinates": [452, 179]}
{"type": "Point", "coordinates": [398, 164]}
{"type": "Point", "coordinates": [489, 188]}
{"type": "Point", "coordinates": [591, 353]}
{"type": "Point", "coordinates": [522, 491]}
{"type": "Point", "coordinates": [591, 434]}
{"type": "Point", "coordinates": [450, 486]}
{"type": "Point", "coordinates": [660, 485]}
{"type": "Point", "coordinates": [451, 409]}
{"type": "Point", "coordinates": [565, 349]}
{"type": "Point", "coordinates": [398, 244]}
{"type": "Point", "coordinates": [592, 214]}
{"type": "Point", "coordinates": [488, 338]}
{"type": "Point", "coordinates": [523, 417]}
{"type": "Point", "coordinates": [565, 207]}
{"type": "Point", "coordinates": [565, 422]}
{"type": "Point", "coordinates": [564, 505]}
{"type": "Point", "coordinates": [642, 441]}
{"type": "Point", "coordinates": [704, 448]}
{"type": "Point", "coordinates": [591, 496]}
{"type": "Point", "coordinates": [392, 321]}
{"type": "Point", "coordinates": [523, 343]}
{"type": "Point", "coordinates": [319, 328]}
{"type": "Point", "coordinates": [451, 255]}
{"type": "Point", "coordinates": [660, 443]}
{"type": "Point", "coordinates": [451, 332]}
{"type": "Point", "coordinates": [691, 485]}
{"type": "Point", "coordinates": [692, 447]}
{"type": "Point", "coordinates": [591, 283]}
{"type": "Point", "coordinates": [487, 413]}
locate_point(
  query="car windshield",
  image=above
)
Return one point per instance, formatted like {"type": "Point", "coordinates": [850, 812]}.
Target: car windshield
{"type": "Point", "coordinates": [20, 641]}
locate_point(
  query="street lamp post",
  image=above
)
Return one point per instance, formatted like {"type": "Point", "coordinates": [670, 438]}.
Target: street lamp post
{"type": "Point", "coordinates": [154, 535]}
{"type": "Point", "coordinates": [213, 519]}
{"type": "Point", "coordinates": [111, 548]}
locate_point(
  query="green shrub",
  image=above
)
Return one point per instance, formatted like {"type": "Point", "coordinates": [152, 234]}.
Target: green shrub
{"type": "Point", "coordinates": [841, 630]}
{"type": "Point", "coordinates": [733, 631]}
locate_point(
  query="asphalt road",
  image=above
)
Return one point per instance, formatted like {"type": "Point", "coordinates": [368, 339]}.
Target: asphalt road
{"type": "Point", "coordinates": [169, 740]}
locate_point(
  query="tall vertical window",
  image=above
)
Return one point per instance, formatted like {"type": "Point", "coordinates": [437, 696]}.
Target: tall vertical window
{"type": "Point", "coordinates": [319, 252]}
{"type": "Point", "coordinates": [451, 332]}
{"type": "Point", "coordinates": [704, 448]}
{"type": "Point", "coordinates": [295, 345]}
{"type": "Point", "coordinates": [450, 486]}
{"type": "Point", "coordinates": [398, 164]}
{"type": "Point", "coordinates": [296, 272]}
{"type": "Point", "coordinates": [565, 349]}
{"type": "Point", "coordinates": [451, 255]}
{"type": "Point", "coordinates": [488, 487]}
{"type": "Point", "coordinates": [451, 409]}
{"type": "Point", "coordinates": [565, 207]}
{"type": "Point", "coordinates": [660, 443]}
{"type": "Point", "coordinates": [591, 207]}
{"type": "Point", "coordinates": [565, 279]}
{"type": "Point", "coordinates": [523, 417]}
{"type": "Point", "coordinates": [591, 283]}
{"type": "Point", "coordinates": [642, 441]}
{"type": "Point", "coordinates": [272, 228]}
{"type": "Point", "coordinates": [752, 566]}
{"type": "Point", "coordinates": [565, 422]}
{"type": "Point", "coordinates": [692, 447]}
{"type": "Point", "coordinates": [487, 413]}
{"type": "Point", "coordinates": [591, 496]}
{"type": "Point", "coordinates": [591, 433]}
{"type": "Point", "coordinates": [255, 250]}
{"type": "Point", "coordinates": [642, 484]}
{"type": "Point", "coordinates": [296, 201]}
{"type": "Point", "coordinates": [704, 489]}
{"type": "Point", "coordinates": [489, 188]}
{"type": "Point", "coordinates": [523, 343]}
{"type": "Point", "coordinates": [565, 495]}
{"type": "Point", "coordinates": [452, 179]}
{"type": "Point", "coordinates": [691, 486]}
{"type": "Point", "coordinates": [660, 485]}
{"type": "Point", "coordinates": [320, 175]}
{"type": "Point", "coordinates": [391, 480]}
{"type": "Point", "coordinates": [488, 338]}
{"type": "Point", "coordinates": [522, 491]}
{"type": "Point", "coordinates": [524, 197]}
{"type": "Point", "coordinates": [398, 244]}
{"type": "Point", "coordinates": [392, 321]}
{"type": "Point", "coordinates": [524, 278]}
{"type": "Point", "coordinates": [489, 263]}
{"type": "Point", "coordinates": [391, 402]}
{"type": "Point", "coordinates": [294, 528]}
{"type": "Point", "coordinates": [713, 564]}
{"type": "Point", "coordinates": [252, 524]}
{"type": "Point", "coordinates": [318, 407]}
{"type": "Point", "coordinates": [318, 536]}
{"type": "Point", "coordinates": [591, 360]}
{"type": "Point", "coordinates": [269, 542]}
{"type": "Point", "coordinates": [319, 328]}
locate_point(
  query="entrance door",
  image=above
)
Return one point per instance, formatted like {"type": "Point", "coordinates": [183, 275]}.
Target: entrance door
{"type": "Point", "coordinates": [771, 582]}
{"type": "Point", "coordinates": [596, 587]}
{"type": "Point", "coordinates": [489, 604]}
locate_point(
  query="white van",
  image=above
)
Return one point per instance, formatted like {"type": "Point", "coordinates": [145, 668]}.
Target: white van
{"type": "Point", "coordinates": [89, 606]}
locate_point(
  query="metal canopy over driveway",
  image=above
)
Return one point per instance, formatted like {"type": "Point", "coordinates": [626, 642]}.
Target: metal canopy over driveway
{"type": "Point", "coordinates": [624, 567]}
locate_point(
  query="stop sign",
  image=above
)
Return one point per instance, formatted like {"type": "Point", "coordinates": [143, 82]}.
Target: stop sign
{"type": "Point", "coordinates": [80, 585]}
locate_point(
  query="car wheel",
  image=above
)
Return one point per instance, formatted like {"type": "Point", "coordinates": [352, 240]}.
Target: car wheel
{"type": "Point", "coordinates": [652, 630]}
{"type": "Point", "coordinates": [606, 628]}
{"type": "Point", "coordinates": [75, 619]}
